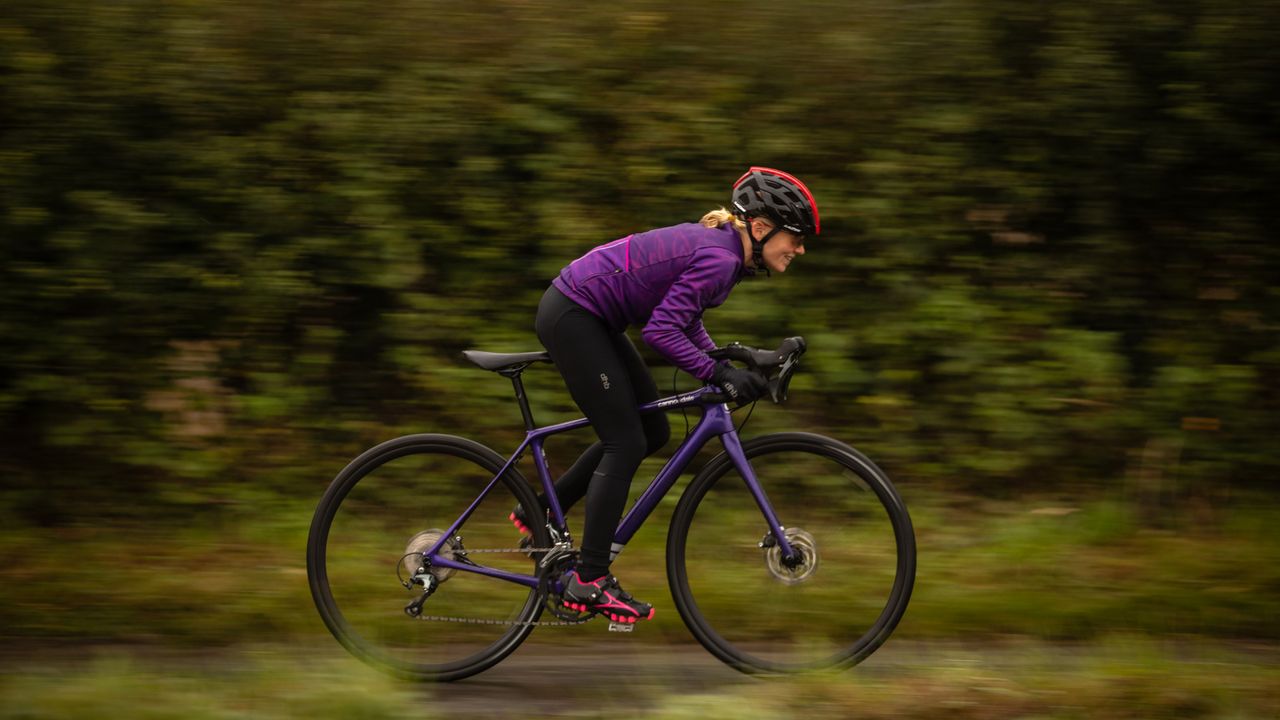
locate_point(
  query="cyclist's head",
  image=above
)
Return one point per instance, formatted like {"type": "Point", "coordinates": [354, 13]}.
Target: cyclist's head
{"type": "Point", "coordinates": [774, 204]}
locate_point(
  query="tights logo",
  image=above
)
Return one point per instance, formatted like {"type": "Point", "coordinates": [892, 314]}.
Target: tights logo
{"type": "Point", "coordinates": [604, 380]}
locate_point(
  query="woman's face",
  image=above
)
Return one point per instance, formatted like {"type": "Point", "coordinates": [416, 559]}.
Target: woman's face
{"type": "Point", "coordinates": [781, 248]}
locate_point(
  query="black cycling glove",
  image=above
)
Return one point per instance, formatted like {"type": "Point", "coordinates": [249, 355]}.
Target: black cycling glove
{"type": "Point", "coordinates": [743, 386]}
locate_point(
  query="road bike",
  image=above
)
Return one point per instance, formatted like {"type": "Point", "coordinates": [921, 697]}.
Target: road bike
{"type": "Point", "coordinates": [787, 553]}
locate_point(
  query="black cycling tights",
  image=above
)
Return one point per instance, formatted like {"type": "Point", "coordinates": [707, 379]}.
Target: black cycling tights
{"type": "Point", "coordinates": [607, 379]}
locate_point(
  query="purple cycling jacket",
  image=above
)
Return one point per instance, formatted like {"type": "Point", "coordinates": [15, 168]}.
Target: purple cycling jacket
{"type": "Point", "coordinates": [661, 280]}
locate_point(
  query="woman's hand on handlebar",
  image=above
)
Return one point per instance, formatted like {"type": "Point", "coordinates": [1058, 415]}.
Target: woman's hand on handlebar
{"type": "Point", "coordinates": [742, 386]}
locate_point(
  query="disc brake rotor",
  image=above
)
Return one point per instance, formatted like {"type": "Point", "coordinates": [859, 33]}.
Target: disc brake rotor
{"type": "Point", "coordinates": [421, 543]}
{"type": "Point", "coordinates": [803, 543]}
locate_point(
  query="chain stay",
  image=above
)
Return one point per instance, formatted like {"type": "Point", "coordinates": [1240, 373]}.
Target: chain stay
{"type": "Point", "coordinates": [487, 621]}
{"type": "Point", "coordinates": [465, 551]}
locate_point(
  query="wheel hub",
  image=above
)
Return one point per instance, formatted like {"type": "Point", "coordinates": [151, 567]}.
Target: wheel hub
{"type": "Point", "coordinates": [420, 544]}
{"type": "Point", "coordinates": [797, 571]}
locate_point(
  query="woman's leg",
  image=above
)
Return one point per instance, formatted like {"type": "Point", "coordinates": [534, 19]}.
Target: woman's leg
{"type": "Point", "coordinates": [599, 380]}
{"type": "Point", "coordinates": [657, 430]}
{"type": "Point", "coordinates": [572, 485]}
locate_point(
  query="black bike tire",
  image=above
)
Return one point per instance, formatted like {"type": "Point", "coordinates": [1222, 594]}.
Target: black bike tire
{"type": "Point", "coordinates": [317, 539]}
{"type": "Point", "coordinates": [899, 596]}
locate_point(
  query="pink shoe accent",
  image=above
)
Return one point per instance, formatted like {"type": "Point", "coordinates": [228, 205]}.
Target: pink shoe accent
{"type": "Point", "coordinates": [652, 611]}
{"type": "Point", "coordinates": [613, 603]}
{"type": "Point", "coordinates": [524, 529]}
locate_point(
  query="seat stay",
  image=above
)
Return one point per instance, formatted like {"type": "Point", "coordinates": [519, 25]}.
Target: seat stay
{"type": "Point", "coordinates": [466, 514]}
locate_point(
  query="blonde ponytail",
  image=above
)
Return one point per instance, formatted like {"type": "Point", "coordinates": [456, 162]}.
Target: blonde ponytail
{"type": "Point", "coordinates": [721, 217]}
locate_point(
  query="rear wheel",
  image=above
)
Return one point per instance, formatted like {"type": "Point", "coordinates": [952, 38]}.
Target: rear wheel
{"type": "Point", "coordinates": [762, 613]}
{"type": "Point", "coordinates": [378, 516]}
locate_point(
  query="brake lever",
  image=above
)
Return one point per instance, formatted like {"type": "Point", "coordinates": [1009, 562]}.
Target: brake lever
{"type": "Point", "coordinates": [777, 386]}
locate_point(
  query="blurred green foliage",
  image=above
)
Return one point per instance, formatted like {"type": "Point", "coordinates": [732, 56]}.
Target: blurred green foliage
{"type": "Point", "coordinates": [243, 240]}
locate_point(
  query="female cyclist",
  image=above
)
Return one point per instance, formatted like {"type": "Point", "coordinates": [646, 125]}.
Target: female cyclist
{"type": "Point", "coordinates": [661, 281]}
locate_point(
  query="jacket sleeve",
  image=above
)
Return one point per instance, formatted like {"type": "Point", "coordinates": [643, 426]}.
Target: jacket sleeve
{"type": "Point", "coordinates": [697, 334]}
{"type": "Point", "coordinates": [708, 273]}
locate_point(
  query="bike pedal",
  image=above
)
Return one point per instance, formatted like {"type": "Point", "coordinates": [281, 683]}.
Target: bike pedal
{"type": "Point", "coordinates": [621, 627]}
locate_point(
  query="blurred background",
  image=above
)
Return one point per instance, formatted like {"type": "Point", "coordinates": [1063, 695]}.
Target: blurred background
{"type": "Point", "coordinates": [245, 240]}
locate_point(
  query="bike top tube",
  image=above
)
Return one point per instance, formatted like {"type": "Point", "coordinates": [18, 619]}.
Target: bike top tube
{"type": "Point", "coordinates": [693, 398]}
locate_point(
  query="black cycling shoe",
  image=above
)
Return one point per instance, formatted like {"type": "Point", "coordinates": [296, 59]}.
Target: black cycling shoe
{"type": "Point", "coordinates": [604, 596]}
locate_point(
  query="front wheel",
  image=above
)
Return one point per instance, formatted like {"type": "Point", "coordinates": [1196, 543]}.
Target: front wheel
{"type": "Point", "coordinates": [763, 613]}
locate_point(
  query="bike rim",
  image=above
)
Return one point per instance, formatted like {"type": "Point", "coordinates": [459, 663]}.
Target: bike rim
{"type": "Point", "coordinates": [762, 617]}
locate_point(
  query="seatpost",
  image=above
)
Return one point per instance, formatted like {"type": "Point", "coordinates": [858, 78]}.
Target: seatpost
{"type": "Point", "coordinates": [524, 401]}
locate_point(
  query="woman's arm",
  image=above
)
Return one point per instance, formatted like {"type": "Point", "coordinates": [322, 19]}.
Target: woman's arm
{"type": "Point", "coordinates": [668, 331]}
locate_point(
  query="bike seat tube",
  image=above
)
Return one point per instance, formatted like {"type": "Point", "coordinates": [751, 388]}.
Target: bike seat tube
{"type": "Point", "coordinates": [524, 402]}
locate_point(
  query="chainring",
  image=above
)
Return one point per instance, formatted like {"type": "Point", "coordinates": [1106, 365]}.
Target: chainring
{"type": "Point", "coordinates": [553, 600]}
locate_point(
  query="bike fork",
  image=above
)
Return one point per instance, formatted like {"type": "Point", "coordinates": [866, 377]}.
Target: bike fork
{"type": "Point", "coordinates": [733, 446]}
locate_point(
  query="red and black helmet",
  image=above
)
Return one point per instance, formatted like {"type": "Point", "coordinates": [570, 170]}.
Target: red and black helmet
{"type": "Point", "coordinates": [773, 194]}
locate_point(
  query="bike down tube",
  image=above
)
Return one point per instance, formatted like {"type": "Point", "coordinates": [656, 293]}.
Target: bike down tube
{"type": "Point", "coordinates": [715, 421]}
{"type": "Point", "coordinates": [536, 437]}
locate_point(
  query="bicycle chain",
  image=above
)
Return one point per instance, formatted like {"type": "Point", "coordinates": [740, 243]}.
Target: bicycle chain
{"type": "Point", "coordinates": [487, 621]}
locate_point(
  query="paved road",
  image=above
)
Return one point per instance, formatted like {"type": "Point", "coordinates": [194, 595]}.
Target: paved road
{"type": "Point", "coordinates": [608, 675]}
{"type": "Point", "coordinates": [582, 679]}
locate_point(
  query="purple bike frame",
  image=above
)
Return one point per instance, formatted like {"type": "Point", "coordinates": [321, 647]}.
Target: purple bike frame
{"type": "Point", "coordinates": [715, 422]}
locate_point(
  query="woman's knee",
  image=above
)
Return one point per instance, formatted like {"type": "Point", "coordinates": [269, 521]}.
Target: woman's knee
{"type": "Point", "coordinates": [627, 450]}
